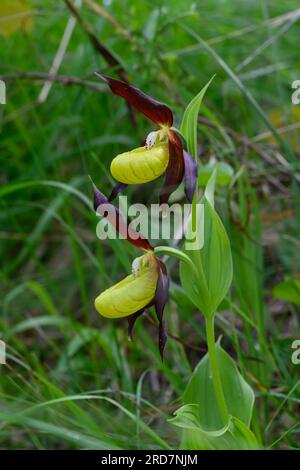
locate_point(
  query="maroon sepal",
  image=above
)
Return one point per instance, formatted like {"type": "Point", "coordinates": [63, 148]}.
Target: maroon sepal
{"type": "Point", "coordinates": [190, 175]}
{"type": "Point", "coordinates": [175, 168]}
{"type": "Point", "coordinates": [106, 209]}
{"type": "Point", "coordinates": [158, 112]}
{"type": "Point", "coordinates": [116, 190]}
{"type": "Point", "coordinates": [160, 300]}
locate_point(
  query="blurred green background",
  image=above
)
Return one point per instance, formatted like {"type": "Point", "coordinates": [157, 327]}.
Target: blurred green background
{"type": "Point", "coordinates": [72, 379]}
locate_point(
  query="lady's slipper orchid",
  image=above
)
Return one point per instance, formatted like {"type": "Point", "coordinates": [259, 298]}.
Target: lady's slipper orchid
{"type": "Point", "coordinates": [147, 285]}
{"type": "Point", "coordinates": [163, 151]}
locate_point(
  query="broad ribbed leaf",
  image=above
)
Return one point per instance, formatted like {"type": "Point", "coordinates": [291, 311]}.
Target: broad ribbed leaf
{"type": "Point", "coordinates": [190, 120]}
{"type": "Point", "coordinates": [234, 436]}
{"type": "Point", "coordinates": [213, 261]}
{"type": "Point", "coordinates": [202, 424]}
{"type": "Point", "coordinates": [238, 394]}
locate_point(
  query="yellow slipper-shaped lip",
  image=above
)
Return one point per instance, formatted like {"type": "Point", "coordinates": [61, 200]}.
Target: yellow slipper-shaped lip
{"type": "Point", "coordinates": [140, 165]}
{"type": "Point", "coordinates": [131, 294]}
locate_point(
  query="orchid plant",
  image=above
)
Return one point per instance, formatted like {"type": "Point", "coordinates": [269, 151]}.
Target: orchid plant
{"type": "Point", "coordinates": [217, 403]}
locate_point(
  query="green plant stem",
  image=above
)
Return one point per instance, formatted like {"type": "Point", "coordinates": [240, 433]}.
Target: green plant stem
{"type": "Point", "coordinates": [210, 336]}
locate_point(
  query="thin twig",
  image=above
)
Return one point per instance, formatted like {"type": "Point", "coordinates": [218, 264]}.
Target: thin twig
{"type": "Point", "coordinates": [116, 25]}
{"type": "Point", "coordinates": [249, 143]}
{"type": "Point", "coordinates": [107, 55]}
{"type": "Point", "coordinates": [64, 79]}
{"type": "Point", "coordinates": [280, 130]}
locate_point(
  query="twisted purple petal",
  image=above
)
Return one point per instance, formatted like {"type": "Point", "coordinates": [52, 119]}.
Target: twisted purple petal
{"type": "Point", "coordinates": [161, 298]}
{"type": "Point", "coordinates": [190, 175]}
{"type": "Point", "coordinates": [116, 190]}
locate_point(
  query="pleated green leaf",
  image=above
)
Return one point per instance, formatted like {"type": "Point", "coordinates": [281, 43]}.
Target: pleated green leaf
{"type": "Point", "coordinates": [213, 261]}
{"type": "Point", "coordinates": [190, 120]}
{"type": "Point", "coordinates": [238, 394]}
{"type": "Point", "coordinates": [234, 436]}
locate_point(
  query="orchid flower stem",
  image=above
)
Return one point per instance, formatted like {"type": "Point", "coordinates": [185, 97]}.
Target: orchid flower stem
{"type": "Point", "coordinates": [210, 335]}
{"type": "Point", "coordinates": [169, 251]}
